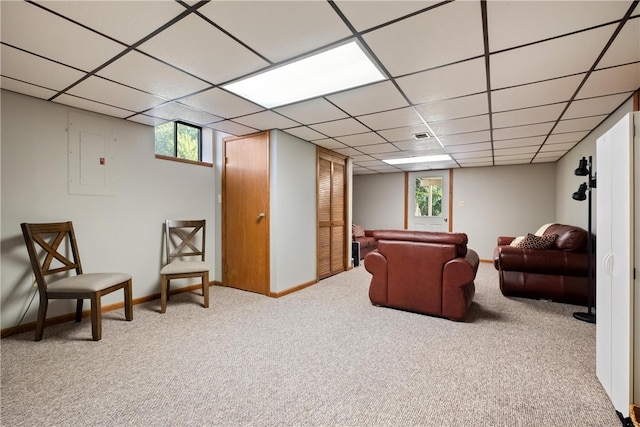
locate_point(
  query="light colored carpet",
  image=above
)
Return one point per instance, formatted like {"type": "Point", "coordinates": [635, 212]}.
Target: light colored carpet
{"type": "Point", "coordinates": [323, 356]}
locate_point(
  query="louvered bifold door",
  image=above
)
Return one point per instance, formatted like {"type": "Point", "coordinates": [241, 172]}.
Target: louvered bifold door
{"type": "Point", "coordinates": [331, 214]}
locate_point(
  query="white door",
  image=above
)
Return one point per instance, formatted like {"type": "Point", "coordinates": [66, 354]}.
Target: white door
{"type": "Point", "coordinates": [614, 264]}
{"type": "Point", "coordinates": [428, 200]}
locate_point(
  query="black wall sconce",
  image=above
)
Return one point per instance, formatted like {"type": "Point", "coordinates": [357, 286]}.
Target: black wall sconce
{"type": "Point", "coordinates": [583, 193]}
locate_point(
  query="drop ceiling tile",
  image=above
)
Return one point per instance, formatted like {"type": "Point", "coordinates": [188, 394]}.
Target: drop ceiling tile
{"type": "Point", "coordinates": [221, 103]}
{"type": "Point", "coordinates": [26, 88]}
{"type": "Point", "coordinates": [89, 105]}
{"type": "Point", "coordinates": [473, 154]}
{"type": "Point", "coordinates": [232, 128]}
{"type": "Point", "coordinates": [266, 120]}
{"type": "Point", "coordinates": [35, 70]}
{"type": "Point", "coordinates": [454, 108]}
{"type": "Point", "coordinates": [313, 111]}
{"type": "Point", "coordinates": [369, 99]}
{"type": "Point", "coordinates": [367, 138]}
{"type": "Point", "coordinates": [104, 91]}
{"type": "Point", "coordinates": [557, 138]}
{"type": "Point", "coordinates": [466, 148]}
{"type": "Point", "coordinates": [418, 145]}
{"type": "Point", "coordinates": [403, 133]}
{"type": "Point", "coordinates": [456, 126]}
{"type": "Point", "coordinates": [626, 47]}
{"type": "Point", "coordinates": [373, 165]}
{"type": "Point", "coordinates": [347, 151]}
{"type": "Point", "coordinates": [329, 143]}
{"type": "Point", "coordinates": [125, 21]}
{"type": "Point", "coordinates": [475, 163]}
{"type": "Point", "coordinates": [528, 116]}
{"type": "Point", "coordinates": [594, 106]}
{"type": "Point", "coordinates": [452, 81]}
{"type": "Point", "coordinates": [519, 142]}
{"type": "Point", "coordinates": [561, 57]}
{"type": "Point", "coordinates": [534, 94]}
{"type": "Point", "coordinates": [364, 158]}
{"type": "Point", "coordinates": [377, 149]}
{"type": "Point", "coordinates": [147, 74]}
{"type": "Point", "coordinates": [340, 127]}
{"type": "Point", "coordinates": [465, 138]}
{"type": "Point", "coordinates": [515, 23]}
{"type": "Point", "coordinates": [548, 157]}
{"type": "Point", "coordinates": [184, 43]}
{"type": "Point", "coordinates": [147, 120]}
{"type": "Point", "coordinates": [575, 125]}
{"type": "Point", "coordinates": [511, 160]}
{"type": "Point", "coordinates": [532, 149]}
{"type": "Point", "coordinates": [35, 30]}
{"type": "Point", "coordinates": [176, 111]}
{"type": "Point", "coordinates": [365, 15]}
{"type": "Point", "coordinates": [305, 133]}
{"type": "Point", "coordinates": [625, 78]}
{"type": "Point", "coordinates": [391, 119]}
{"type": "Point", "coordinates": [453, 32]}
{"type": "Point", "coordinates": [301, 26]}
{"type": "Point", "coordinates": [563, 147]}
{"type": "Point", "coordinates": [542, 129]}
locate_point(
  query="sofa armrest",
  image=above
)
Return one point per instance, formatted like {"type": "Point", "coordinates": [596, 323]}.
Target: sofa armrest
{"type": "Point", "coordinates": [505, 240]}
{"type": "Point", "coordinates": [541, 261]}
{"type": "Point", "coordinates": [369, 233]}
{"type": "Point", "coordinates": [376, 264]}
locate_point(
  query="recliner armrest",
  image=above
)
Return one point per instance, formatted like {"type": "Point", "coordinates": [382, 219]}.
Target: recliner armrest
{"type": "Point", "coordinates": [376, 264]}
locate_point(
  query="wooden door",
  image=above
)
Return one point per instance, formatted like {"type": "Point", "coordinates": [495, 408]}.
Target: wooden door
{"type": "Point", "coordinates": [331, 214]}
{"type": "Point", "coordinates": [245, 213]}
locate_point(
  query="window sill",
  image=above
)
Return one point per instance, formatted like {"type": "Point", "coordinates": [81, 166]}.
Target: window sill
{"type": "Point", "coordinates": [177, 159]}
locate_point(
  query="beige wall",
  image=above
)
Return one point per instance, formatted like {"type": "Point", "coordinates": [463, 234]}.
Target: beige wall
{"type": "Point", "coordinates": [122, 232]}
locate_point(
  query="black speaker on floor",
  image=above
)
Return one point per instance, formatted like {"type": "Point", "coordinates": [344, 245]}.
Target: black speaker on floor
{"type": "Point", "coordinates": [355, 253]}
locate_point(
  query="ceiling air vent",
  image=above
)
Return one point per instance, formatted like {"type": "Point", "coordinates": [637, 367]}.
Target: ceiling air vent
{"type": "Point", "coordinates": [421, 135]}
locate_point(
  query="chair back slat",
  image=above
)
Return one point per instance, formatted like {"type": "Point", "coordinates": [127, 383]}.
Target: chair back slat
{"type": "Point", "coordinates": [48, 245]}
{"type": "Point", "coordinates": [185, 238]}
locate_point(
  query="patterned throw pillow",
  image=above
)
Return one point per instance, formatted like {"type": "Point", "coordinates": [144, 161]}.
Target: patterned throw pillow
{"type": "Point", "coordinates": [531, 241]}
{"type": "Point", "coordinates": [357, 230]}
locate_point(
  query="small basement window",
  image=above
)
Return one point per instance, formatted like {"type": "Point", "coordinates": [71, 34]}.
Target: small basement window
{"type": "Point", "coordinates": [180, 140]}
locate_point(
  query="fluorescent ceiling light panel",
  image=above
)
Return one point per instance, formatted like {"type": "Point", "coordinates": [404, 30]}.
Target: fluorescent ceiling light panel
{"type": "Point", "coordinates": [333, 70]}
{"type": "Point", "coordinates": [422, 159]}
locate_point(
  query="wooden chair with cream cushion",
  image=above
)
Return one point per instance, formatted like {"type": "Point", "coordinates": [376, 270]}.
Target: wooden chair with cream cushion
{"type": "Point", "coordinates": [53, 252]}
{"type": "Point", "coordinates": [185, 249]}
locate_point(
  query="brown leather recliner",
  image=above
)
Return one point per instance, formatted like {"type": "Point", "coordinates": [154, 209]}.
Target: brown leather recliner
{"type": "Point", "coordinates": [559, 273]}
{"type": "Point", "coordinates": [424, 272]}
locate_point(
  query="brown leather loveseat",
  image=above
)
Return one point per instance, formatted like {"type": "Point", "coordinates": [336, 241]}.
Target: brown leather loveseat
{"type": "Point", "coordinates": [557, 273]}
{"type": "Point", "coordinates": [425, 272]}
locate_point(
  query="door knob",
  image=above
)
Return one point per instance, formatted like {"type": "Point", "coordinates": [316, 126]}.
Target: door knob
{"type": "Point", "coordinates": [261, 215]}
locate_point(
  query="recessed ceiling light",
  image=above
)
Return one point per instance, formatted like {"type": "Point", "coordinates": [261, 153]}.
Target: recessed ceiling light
{"type": "Point", "coordinates": [421, 159]}
{"type": "Point", "coordinates": [330, 71]}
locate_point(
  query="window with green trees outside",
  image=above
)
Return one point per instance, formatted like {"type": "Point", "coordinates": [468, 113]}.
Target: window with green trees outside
{"type": "Point", "coordinates": [429, 196]}
{"type": "Point", "coordinates": [180, 140]}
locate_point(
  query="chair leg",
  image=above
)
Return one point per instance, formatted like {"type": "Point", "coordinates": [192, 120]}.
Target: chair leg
{"type": "Point", "coordinates": [96, 317]}
{"type": "Point", "coordinates": [42, 316]}
{"type": "Point", "coordinates": [164, 290]}
{"type": "Point", "coordinates": [205, 288]}
{"type": "Point", "coordinates": [128, 300]}
{"type": "Point", "coordinates": [79, 310]}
